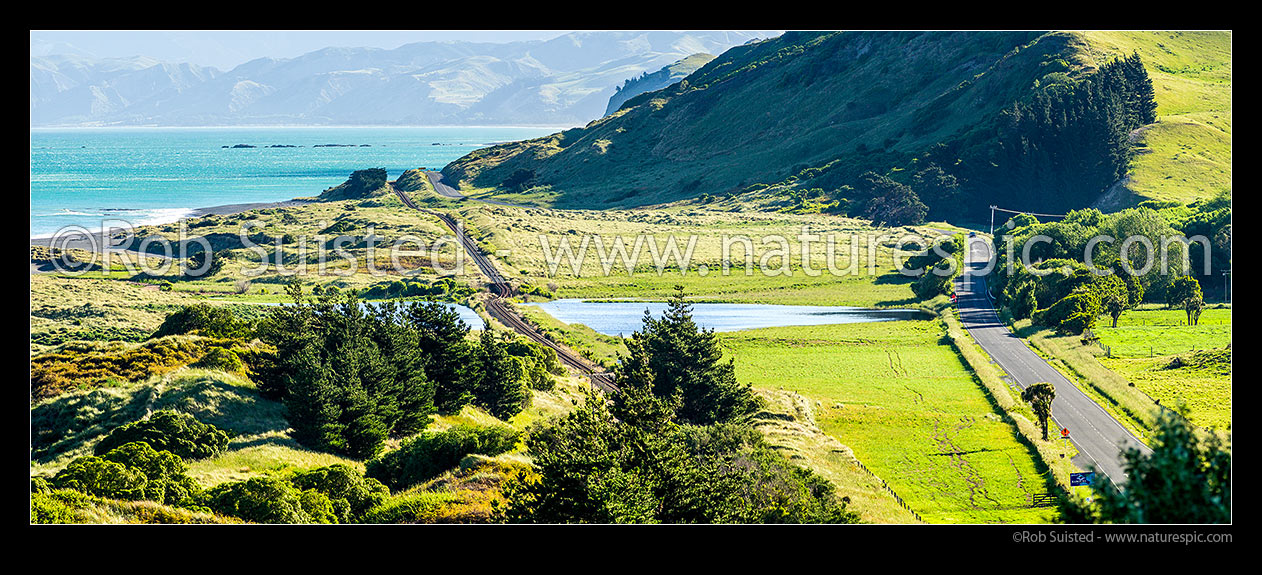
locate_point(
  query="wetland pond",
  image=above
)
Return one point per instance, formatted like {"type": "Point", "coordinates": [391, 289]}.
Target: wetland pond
{"type": "Point", "coordinates": [624, 317]}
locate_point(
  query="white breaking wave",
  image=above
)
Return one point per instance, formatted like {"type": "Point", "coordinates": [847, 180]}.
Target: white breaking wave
{"type": "Point", "coordinates": [117, 218]}
{"type": "Point", "coordinates": [68, 213]}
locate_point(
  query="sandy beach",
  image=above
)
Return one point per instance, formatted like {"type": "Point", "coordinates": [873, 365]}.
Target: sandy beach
{"type": "Point", "coordinates": [229, 209]}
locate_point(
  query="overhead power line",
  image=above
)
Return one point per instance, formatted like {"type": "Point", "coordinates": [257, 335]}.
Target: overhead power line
{"type": "Point", "coordinates": [997, 208]}
{"type": "Point", "coordinates": [994, 209]}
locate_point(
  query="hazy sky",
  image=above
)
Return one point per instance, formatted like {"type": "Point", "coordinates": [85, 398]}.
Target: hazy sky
{"type": "Point", "coordinates": [229, 48]}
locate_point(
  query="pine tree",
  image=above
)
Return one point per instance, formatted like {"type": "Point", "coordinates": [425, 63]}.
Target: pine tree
{"type": "Point", "coordinates": [501, 388]}
{"type": "Point", "coordinates": [679, 361]}
{"type": "Point", "coordinates": [1065, 143]}
{"type": "Point", "coordinates": [440, 339]}
{"type": "Point", "coordinates": [310, 404]}
{"type": "Point", "coordinates": [365, 432]}
{"type": "Point", "coordinates": [1142, 101]}
{"type": "Point", "coordinates": [352, 378]}
{"type": "Point", "coordinates": [411, 388]}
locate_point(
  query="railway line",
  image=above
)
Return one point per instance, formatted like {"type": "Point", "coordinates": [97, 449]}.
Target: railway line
{"type": "Point", "coordinates": [499, 307]}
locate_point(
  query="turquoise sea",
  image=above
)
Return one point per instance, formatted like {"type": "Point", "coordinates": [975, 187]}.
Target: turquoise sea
{"type": "Point", "coordinates": [85, 176]}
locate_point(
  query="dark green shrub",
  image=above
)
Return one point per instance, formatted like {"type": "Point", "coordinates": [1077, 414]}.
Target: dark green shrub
{"type": "Point", "coordinates": [132, 472]}
{"type": "Point", "coordinates": [40, 485]}
{"type": "Point", "coordinates": [540, 362]}
{"type": "Point", "coordinates": [178, 433]}
{"type": "Point", "coordinates": [361, 184]}
{"type": "Point", "coordinates": [198, 268]}
{"type": "Point", "coordinates": [222, 360]}
{"type": "Point", "coordinates": [938, 272]}
{"type": "Point", "coordinates": [350, 493]}
{"type": "Point", "coordinates": [270, 500]}
{"type": "Point", "coordinates": [1073, 314]}
{"type": "Point", "coordinates": [415, 507]}
{"type": "Point", "coordinates": [428, 455]}
{"type": "Point", "coordinates": [96, 476]}
{"type": "Point", "coordinates": [204, 319]}
{"type": "Point", "coordinates": [59, 506]}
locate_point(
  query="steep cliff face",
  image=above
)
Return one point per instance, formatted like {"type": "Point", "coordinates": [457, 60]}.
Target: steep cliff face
{"type": "Point", "coordinates": [763, 112]}
{"type": "Point", "coordinates": [657, 80]}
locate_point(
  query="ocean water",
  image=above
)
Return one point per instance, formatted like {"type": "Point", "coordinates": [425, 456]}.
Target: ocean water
{"type": "Point", "coordinates": [87, 176]}
{"type": "Point", "coordinates": [624, 318]}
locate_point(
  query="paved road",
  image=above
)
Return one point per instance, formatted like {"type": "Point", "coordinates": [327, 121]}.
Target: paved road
{"type": "Point", "coordinates": [443, 189]}
{"type": "Point", "coordinates": [440, 186]}
{"type": "Point", "coordinates": [1099, 438]}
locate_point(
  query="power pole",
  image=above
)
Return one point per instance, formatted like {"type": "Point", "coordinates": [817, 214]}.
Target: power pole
{"type": "Point", "coordinates": [992, 221]}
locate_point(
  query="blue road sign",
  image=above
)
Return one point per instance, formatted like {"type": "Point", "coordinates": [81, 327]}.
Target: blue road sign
{"type": "Point", "coordinates": [1076, 479]}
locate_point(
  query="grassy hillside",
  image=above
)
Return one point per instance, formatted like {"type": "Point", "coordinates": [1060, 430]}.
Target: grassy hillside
{"type": "Point", "coordinates": [65, 309]}
{"type": "Point", "coordinates": [763, 112]}
{"type": "Point", "coordinates": [1186, 155]}
{"type": "Point", "coordinates": [817, 110]}
{"type": "Point", "coordinates": [71, 424]}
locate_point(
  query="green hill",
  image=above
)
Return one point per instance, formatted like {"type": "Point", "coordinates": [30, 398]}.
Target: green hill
{"type": "Point", "coordinates": [361, 184]}
{"type": "Point", "coordinates": [815, 111]}
{"type": "Point", "coordinates": [1186, 154]}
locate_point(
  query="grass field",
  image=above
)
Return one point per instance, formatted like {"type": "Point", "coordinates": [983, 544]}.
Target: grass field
{"type": "Point", "coordinates": [1164, 332]}
{"type": "Point", "coordinates": [1204, 388]}
{"type": "Point", "coordinates": [788, 423]}
{"type": "Point", "coordinates": [1186, 155]}
{"type": "Point", "coordinates": [907, 406]}
{"type": "Point", "coordinates": [1173, 363]}
{"type": "Point", "coordinates": [517, 236]}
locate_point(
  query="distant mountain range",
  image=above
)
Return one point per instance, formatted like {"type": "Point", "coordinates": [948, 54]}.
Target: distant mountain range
{"type": "Point", "coordinates": [568, 80]}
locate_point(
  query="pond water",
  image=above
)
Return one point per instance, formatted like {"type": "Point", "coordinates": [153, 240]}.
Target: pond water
{"type": "Point", "coordinates": [623, 318]}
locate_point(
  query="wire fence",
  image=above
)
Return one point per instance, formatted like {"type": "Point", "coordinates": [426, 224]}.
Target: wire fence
{"type": "Point", "coordinates": [1152, 350]}
{"type": "Point", "coordinates": [891, 491]}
